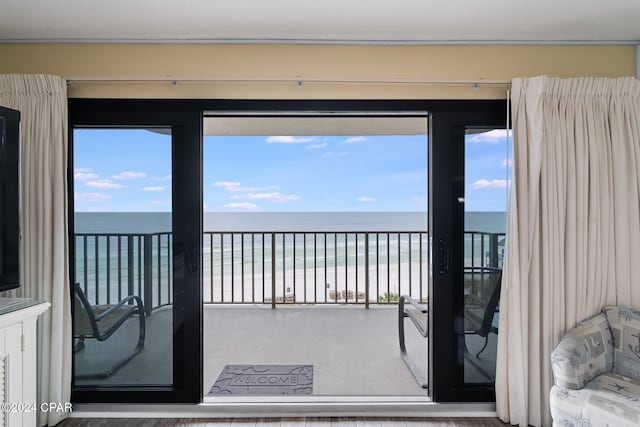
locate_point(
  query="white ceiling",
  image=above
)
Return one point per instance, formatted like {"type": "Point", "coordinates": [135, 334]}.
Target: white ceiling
{"type": "Point", "coordinates": [317, 21]}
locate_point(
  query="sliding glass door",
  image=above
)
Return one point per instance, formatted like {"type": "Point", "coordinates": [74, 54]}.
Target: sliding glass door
{"type": "Point", "coordinates": [137, 235]}
{"type": "Point", "coordinates": [470, 156]}
{"type": "Point", "coordinates": [136, 250]}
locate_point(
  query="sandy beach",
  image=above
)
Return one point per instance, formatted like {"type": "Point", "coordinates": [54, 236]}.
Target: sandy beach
{"type": "Point", "coordinates": [335, 285]}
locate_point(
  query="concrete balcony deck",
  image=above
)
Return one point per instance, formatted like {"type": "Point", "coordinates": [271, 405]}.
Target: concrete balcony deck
{"type": "Point", "coordinates": [353, 350]}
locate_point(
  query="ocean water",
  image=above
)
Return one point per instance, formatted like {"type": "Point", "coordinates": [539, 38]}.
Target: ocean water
{"type": "Point", "coordinates": [238, 266]}
{"type": "Point", "coordinates": [153, 222]}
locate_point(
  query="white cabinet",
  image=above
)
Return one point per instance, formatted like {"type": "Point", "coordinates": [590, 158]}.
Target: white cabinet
{"type": "Point", "coordinates": [18, 360]}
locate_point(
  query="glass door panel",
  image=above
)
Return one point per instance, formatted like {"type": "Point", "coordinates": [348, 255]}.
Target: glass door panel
{"type": "Point", "coordinates": [123, 263]}
{"type": "Point", "coordinates": [487, 171]}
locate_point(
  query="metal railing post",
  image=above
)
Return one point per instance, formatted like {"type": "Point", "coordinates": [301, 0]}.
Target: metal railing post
{"type": "Point", "coordinates": [85, 264]}
{"type": "Point", "coordinates": [221, 267]}
{"type": "Point", "coordinates": [493, 250]}
{"type": "Point", "coordinates": [147, 289]}
{"type": "Point", "coordinates": [130, 265]}
{"type": "Point", "coordinates": [366, 270]}
{"type": "Point", "coordinates": [108, 270]}
{"type": "Point", "coordinates": [96, 263]}
{"type": "Point", "coordinates": [273, 270]}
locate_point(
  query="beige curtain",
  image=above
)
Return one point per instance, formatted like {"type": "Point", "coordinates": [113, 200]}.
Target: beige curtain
{"type": "Point", "coordinates": [42, 102]}
{"type": "Point", "coordinates": [573, 226]}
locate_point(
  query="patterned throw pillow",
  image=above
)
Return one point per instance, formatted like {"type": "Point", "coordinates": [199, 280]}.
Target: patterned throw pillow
{"type": "Point", "coordinates": [625, 330]}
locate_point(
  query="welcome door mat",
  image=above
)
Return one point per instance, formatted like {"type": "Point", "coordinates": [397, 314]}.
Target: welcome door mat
{"type": "Point", "coordinates": [264, 379]}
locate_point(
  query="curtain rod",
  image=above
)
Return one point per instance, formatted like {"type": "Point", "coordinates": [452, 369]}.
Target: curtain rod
{"type": "Point", "coordinates": [326, 42]}
{"type": "Point", "coordinates": [297, 81]}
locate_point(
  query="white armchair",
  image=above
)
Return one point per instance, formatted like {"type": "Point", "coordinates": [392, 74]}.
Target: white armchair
{"type": "Point", "coordinates": [596, 369]}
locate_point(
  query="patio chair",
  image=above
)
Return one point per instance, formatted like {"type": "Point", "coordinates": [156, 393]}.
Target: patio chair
{"type": "Point", "coordinates": [101, 321]}
{"type": "Point", "coordinates": [480, 305]}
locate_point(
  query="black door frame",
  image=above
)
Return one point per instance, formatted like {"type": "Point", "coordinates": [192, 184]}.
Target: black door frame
{"type": "Point", "coordinates": [186, 151]}
{"type": "Point", "coordinates": [446, 222]}
{"type": "Point", "coordinates": [447, 121]}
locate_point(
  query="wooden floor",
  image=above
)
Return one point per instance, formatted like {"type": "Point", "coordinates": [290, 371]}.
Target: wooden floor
{"type": "Point", "coordinates": [285, 422]}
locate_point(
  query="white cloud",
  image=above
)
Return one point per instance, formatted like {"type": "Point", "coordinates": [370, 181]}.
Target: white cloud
{"type": "Point", "coordinates": [253, 193]}
{"type": "Point", "coordinates": [226, 184]}
{"type": "Point", "coordinates": [84, 176]}
{"type": "Point", "coordinates": [316, 146]}
{"type": "Point", "coordinates": [130, 175]}
{"type": "Point", "coordinates": [288, 139]}
{"type": "Point", "coordinates": [163, 178]}
{"type": "Point", "coordinates": [91, 197]}
{"type": "Point", "coordinates": [366, 199]}
{"type": "Point", "coordinates": [161, 202]}
{"type": "Point", "coordinates": [507, 163]}
{"type": "Point", "coordinates": [494, 136]}
{"type": "Point", "coordinates": [242, 206]}
{"type": "Point", "coordinates": [103, 183]}
{"type": "Point", "coordinates": [355, 139]}
{"type": "Point", "coordinates": [274, 197]}
{"type": "Point", "coordinates": [335, 154]}
{"type": "Point", "coordinates": [158, 188]}
{"type": "Point", "coordinates": [485, 183]}
{"type": "Point", "coordinates": [236, 187]}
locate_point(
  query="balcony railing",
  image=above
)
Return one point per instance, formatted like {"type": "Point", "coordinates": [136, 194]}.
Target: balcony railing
{"type": "Point", "coordinates": [110, 266]}
{"type": "Point", "coordinates": [314, 267]}
{"type": "Point", "coordinates": [297, 267]}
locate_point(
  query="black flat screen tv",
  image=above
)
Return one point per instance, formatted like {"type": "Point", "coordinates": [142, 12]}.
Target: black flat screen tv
{"type": "Point", "coordinates": [9, 199]}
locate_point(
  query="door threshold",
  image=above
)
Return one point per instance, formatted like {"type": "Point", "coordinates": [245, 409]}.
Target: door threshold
{"type": "Point", "coordinates": [330, 408]}
{"type": "Point", "coordinates": [313, 399]}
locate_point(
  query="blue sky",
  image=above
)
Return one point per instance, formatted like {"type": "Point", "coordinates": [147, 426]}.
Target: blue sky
{"type": "Point", "coordinates": [121, 170]}
{"type": "Point", "coordinates": [130, 170]}
{"type": "Point", "coordinates": [315, 173]}
{"type": "Point", "coordinates": [487, 166]}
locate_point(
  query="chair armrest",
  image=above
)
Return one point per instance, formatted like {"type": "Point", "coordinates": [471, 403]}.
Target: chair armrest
{"type": "Point", "coordinates": [120, 304]}
{"type": "Point", "coordinates": [585, 352]}
{"type": "Point", "coordinates": [413, 314]}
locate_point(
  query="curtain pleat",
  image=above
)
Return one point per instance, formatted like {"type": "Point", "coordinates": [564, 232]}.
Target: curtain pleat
{"type": "Point", "coordinates": [42, 102]}
{"type": "Point", "coordinates": [573, 226]}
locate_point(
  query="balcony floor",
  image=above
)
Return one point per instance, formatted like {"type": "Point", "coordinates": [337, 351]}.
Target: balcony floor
{"type": "Point", "coordinates": [354, 351]}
